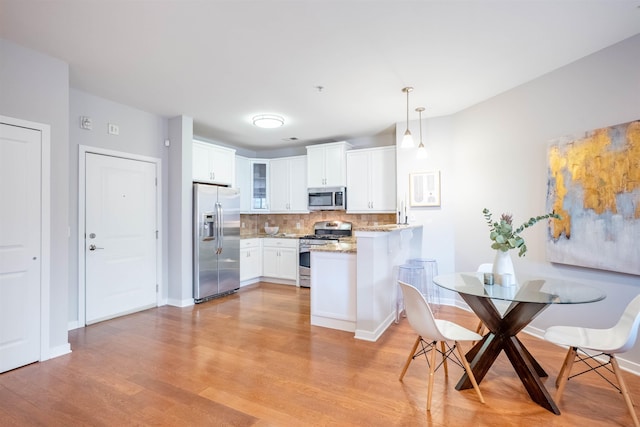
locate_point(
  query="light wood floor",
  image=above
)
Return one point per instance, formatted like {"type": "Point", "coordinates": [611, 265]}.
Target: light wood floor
{"type": "Point", "coordinates": [252, 359]}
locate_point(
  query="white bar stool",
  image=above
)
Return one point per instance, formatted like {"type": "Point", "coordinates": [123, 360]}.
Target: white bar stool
{"type": "Point", "coordinates": [412, 274]}
{"type": "Point", "coordinates": [429, 289]}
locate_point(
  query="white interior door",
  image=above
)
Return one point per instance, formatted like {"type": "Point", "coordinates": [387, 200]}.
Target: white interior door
{"type": "Point", "coordinates": [20, 246]}
{"type": "Point", "coordinates": [120, 236]}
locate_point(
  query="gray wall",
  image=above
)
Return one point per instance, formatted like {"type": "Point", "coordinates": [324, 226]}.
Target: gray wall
{"type": "Point", "coordinates": [35, 87]}
{"type": "Point", "coordinates": [141, 133]}
{"type": "Point", "coordinates": [495, 157]}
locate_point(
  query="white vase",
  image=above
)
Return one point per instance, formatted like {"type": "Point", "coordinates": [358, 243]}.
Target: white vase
{"type": "Point", "coordinates": [502, 265]}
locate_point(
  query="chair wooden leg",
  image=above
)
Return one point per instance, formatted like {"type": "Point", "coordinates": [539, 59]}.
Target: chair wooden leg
{"type": "Point", "coordinates": [432, 370]}
{"type": "Point", "coordinates": [623, 389]}
{"type": "Point", "coordinates": [479, 330]}
{"type": "Point", "coordinates": [444, 358]}
{"type": "Point", "coordinates": [469, 371]}
{"type": "Point", "coordinates": [563, 377]}
{"type": "Point", "coordinates": [562, 368]}
{"type": "Point", "coordinates": [410, 358]}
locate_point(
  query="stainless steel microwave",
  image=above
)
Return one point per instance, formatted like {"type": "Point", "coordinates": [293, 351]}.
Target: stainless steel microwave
{"type": "Point", "coordinates": [327, 199]}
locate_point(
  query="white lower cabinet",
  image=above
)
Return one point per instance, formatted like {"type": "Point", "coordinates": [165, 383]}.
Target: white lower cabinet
{"type": "Point", "coordinates": [333, 290]}
{"type": "Point", "coordinates": [280, 258]}
{"type": "Point", "coordinates": [250, 259]}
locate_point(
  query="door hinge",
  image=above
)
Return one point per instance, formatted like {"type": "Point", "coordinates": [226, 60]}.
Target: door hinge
{"type": "Point", "coordinates": [156, 234]}
{"type": "Point", "coordinates": [156, 181]}
{"type": "Point", "coordinates": [157, 288]}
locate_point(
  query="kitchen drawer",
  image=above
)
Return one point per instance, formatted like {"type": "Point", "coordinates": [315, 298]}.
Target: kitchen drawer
{"type": "Point", "coordinates": [249, 243]}
{"type": "Point", "coordinates": [277, 242]}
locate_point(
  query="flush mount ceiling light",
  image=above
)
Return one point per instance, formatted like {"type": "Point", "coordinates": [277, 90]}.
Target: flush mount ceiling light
{"type": "Point", "coordinates": [422, 152]}
{"type": "Point", "coordinates": [268, 121]}
{"type": "Point", "coordinates": [407, 140]}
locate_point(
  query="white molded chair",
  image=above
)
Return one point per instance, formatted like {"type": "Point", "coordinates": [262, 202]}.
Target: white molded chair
{"type": "Point", "coordinates": [432, 331]}
{"type": "Point", "coordinates": [606, 342]}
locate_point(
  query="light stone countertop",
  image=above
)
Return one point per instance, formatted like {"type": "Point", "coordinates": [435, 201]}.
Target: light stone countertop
{"type": "Point", "coordinates": [264, 235]}
{"type": "Point", "coordinates": [342, 247]}
{"type": "Point", "coordinates": [387, 227]}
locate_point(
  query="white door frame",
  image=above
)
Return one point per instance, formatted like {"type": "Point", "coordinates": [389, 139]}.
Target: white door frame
{"type": "Point", "coordinates": [45, 226]}
{"type": "Point", "coordinates": [82, 151]}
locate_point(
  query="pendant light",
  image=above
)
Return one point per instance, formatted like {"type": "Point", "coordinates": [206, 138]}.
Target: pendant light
{"type": "Point", "coordinates": [422, 152]}
{"type": "Point", "coordinates": [407, 140]}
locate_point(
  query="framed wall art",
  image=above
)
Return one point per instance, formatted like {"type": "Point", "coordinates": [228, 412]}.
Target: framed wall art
{"type": "Point", "coordinates": [424, 188]}
{"type": "Point", "coordinates": [594, 185]}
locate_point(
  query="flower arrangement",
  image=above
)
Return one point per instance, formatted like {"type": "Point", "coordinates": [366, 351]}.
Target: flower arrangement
{"type": "Point", "coordinates": [504, 237]}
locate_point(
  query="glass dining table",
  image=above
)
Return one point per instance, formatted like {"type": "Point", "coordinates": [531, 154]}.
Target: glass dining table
{"type": "Point", "coordinates": [528, 299]}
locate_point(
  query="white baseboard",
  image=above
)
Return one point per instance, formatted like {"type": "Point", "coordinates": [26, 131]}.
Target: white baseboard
{"type": "Point", "coordinates": [250, 281]}
{"type": "Point", "coordinates": [278, 281]}
{"type": "Point", "coordinates": [377, 333]}
{"type": "Point", "coordinates": [325, 322]}
{"type": "Point", "coordinates": [58, 351]}
{"type": "Point", "coordinates": [180, 303]}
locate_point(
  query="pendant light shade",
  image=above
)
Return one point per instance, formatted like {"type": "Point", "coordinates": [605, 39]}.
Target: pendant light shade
{"type": "Point", "coordinates": [407, 140]}
{"type": "Point", "coordinates": [422, 151]}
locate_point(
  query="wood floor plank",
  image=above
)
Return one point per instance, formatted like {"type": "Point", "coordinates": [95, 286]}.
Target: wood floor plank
{"type": "Point", "coordinates": [253, 359]}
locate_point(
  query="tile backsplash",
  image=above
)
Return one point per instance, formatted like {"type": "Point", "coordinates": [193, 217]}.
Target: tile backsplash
{"type": "Point", "coordinates": [254, 223]}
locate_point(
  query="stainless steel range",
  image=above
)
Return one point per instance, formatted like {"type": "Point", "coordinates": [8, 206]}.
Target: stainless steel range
{"type": "Point", "coordinates": [324, 232]}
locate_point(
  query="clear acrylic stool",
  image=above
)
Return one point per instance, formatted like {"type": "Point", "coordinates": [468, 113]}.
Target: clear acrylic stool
{"type": "Point", "coordinates": [412, 274]}
{"type": "Point", "coordinates": [430, 290]}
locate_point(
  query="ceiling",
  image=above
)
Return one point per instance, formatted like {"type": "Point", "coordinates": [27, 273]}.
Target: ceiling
{"type": "Point", "coordinates": [333, 69]}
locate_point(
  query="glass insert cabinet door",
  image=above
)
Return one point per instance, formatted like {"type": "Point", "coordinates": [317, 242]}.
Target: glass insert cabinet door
{"type": "Point", "coordinates": [259, 185]}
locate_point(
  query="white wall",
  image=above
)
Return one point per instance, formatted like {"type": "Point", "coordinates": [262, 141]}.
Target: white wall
{"type": "Point", "coordinates": [497, 160]}
{"type": "Point", "coordinates": [141, 133]}
{"type": "Point", "coordinates": [180, 212]}
{"type": "Point", "coordinates": [438, 225]}
{"type": "Point", "coordinates": [35, 87]}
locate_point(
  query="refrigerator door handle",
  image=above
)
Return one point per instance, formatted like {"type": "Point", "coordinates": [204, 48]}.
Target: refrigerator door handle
{"type": "Point", "coordinates": [220, 227]}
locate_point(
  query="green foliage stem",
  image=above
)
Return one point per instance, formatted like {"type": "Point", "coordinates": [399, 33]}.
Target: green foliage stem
{"type": "Point", "coordinates": [504, 237]}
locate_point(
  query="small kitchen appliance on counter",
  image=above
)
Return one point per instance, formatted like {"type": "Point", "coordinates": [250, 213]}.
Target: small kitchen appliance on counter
{"type": "Point", "coordinates": [324, 232]}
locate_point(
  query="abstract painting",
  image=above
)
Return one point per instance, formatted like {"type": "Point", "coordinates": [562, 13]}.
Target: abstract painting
{"type": "Point", "coordinates": [594, 185]}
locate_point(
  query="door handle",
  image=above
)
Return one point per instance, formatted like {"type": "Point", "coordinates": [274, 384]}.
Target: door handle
{"type": "Point", "coordinates": [94, 247]}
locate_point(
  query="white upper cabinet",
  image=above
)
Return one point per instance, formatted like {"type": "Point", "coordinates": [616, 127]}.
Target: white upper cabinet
{"type": "Point", "coordinates": [326, 165]}
{"type": "Point", "coordinates": [260, 197]}
{"type": "Point", "coordinates": [288, 185]}
{"type": "Point", "coordinates": [212, 163]}
{"type": "Point", "coordinates": [371, 180]}
{"type": "Point", "coordinates": [243, 183]}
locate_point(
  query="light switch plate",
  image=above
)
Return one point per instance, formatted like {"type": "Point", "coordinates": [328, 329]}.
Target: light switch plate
{"type": "Point", "coordinates": [85, 123]}
{"type": "Point", "coordinates": [114, 129]}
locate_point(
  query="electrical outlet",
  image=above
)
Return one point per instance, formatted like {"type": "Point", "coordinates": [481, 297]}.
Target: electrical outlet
{"type": "Point", "coordinates": [243, 225]}
{"type": "Point", "coordinates": [298, 225]}
{"type": "Point", "coordinates": [114, 129]}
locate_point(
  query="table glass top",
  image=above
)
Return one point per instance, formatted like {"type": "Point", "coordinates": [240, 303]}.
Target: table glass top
{"type": "Point", "coordinates": [537, 290]}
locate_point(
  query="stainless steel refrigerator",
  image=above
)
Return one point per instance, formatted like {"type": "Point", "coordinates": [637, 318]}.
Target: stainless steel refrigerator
{"type": "Point", "coordinates": [216, 241]}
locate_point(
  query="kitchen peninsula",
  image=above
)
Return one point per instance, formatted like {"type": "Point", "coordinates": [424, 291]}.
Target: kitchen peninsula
{"type": "Point", "coordinates": [353, 286]}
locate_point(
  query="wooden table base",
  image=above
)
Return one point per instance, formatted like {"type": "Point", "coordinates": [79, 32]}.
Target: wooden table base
{"type": "Point", "coordinates": [502, 336]}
